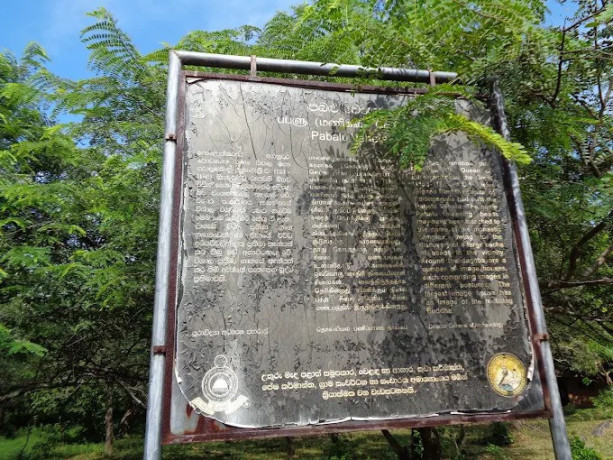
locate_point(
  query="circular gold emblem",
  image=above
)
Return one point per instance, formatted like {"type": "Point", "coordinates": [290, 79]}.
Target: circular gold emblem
{"type": "Point", "coordinates": [506, 374]}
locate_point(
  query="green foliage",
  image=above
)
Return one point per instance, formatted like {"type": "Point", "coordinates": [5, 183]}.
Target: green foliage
{"type": "Point", "coordinates": [111, 50]}
{"type": "Point", "coordinates": [12, 346]}
{"type": "Point", "coordinates": [499, 434]}
{"type": "Point", "coordinates": [409, 130]}
{"type": "Point", "coordinates": [604, 402]}
{"type": "Point", "coordinates": [438, 34]}
{"type": "Point", "coordinates": [533, 441]}
{"type": "Point", "coordinates": [580, 451]}
{"type": "Point", "coordinates": [496, 452]}
{"type": "Point", "coordinates": [510, 150]}
{"type": "Point", "coordinates": [78, 213]}
{"type": "Point", "coordinates": [78, 202]}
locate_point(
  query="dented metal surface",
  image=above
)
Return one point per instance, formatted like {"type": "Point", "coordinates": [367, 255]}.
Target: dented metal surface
{"type": "Point", "coordinates": [359, 305]}
{"type": "Point", "coordinates": [241, 389]}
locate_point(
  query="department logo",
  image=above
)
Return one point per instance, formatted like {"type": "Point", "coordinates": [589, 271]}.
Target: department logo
{"type": "Point", "coordinates": [506, 374]}
{"type": "Point", "coordinates": [219, 388]}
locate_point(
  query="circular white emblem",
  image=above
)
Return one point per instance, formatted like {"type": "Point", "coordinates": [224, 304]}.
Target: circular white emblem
{"type": "Point", "coordinates": [219, 384]}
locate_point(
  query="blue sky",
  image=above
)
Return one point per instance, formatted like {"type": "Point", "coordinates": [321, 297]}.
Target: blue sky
{"type": "Point", "coordinates": [56, 24]}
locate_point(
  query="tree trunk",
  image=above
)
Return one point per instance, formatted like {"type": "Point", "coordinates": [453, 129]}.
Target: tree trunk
{"type": "Point", "coordinates": [291, 450]}
{"type": "Point", "coordinates": [402, 452]}
{"type": "Point", "coordinates": [108, 422]}
{"type": "Point", "coordinates": [459, 440]}
{"type": "Point", "coordinates": [431, 443]}
{"type": "Point", "coordinates": [123, 423]}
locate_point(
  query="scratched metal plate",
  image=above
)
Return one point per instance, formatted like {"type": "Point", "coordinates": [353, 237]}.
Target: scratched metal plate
{"type": "Point", "coordinates": [318, 286]}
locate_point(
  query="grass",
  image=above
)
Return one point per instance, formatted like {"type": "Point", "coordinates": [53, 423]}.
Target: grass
{"type": "Point", "coordinates": [12, 447]}
{"type": "Point", "coordinates": [530, 440]}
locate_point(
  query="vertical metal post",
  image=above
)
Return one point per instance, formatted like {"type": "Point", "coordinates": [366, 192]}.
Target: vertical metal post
{"type": "Point", "coordinates": [153, 430]}
{"type": "Point", "coordinates": [557, 424]}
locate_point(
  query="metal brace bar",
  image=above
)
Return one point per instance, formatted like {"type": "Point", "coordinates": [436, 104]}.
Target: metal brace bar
{"type": "Point", "coordinates": [159, 350]}
{"type": "Point", "coordinates": [153, 429]}
{"type": "Point", "coordinates": [312, 68]}
{"type": "Point", "coordinates": [557, 424]}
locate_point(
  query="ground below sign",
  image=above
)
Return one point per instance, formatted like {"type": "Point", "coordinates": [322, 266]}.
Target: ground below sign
{"type": "Point", "coordinates": [318, 286]}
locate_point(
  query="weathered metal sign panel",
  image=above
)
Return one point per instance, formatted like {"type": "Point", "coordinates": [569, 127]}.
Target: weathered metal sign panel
{"type": "Point", "coordinates": [317, 286]}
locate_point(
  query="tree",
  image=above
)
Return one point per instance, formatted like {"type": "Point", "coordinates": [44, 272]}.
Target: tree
{"type": "Point", "coordinates": [20, 121]}
{"type": "Point", "coordinates": [558, 89]}
{"type": "Point", "coordinates": [79, 211]}
{"type": "Point", "coordinates": [78, 201]}
{"type": "Point", "coordinates": [560, 103]}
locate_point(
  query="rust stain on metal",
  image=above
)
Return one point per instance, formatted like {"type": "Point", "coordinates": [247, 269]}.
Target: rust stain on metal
{"type": "Point", "coordinates": [432, 78]}
{"type": "Point", "coordinates": [208, 429]}
{"type": "Point", "coordinates": [218, 432]}
{"type": "Point", "coordinates": [311, 84]}
{"type": "Point", "coordinates": [533, 322]}
{"type": "Point", "coordinates": [158, 350]}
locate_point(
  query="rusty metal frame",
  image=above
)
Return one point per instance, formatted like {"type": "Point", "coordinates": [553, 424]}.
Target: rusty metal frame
{"type": "Point", "coordinates": [208, 429]}
{"type": "Point", "coordinates": [308, 84]}
{"type": "Point", "coordinates": [536, 314]}
{"type": "Point", "coordinates": [256, 63]}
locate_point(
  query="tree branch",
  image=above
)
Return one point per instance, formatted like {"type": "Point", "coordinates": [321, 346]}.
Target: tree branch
{"type": "Point", "coordinates": [576, 251]}
{"type": "Point", "coordinates": [564, 284]}
{"type": "Point", "coordinates": [599, 262]}
{"type": "Point", "coordinates": [576, 24]}
{"type": "Point", "coordinates": [556, 92]}
{"type": "Point", "coordinates": [586, 106]}
{"type": "Point", "coordinates": [588, 51]}
{"type": "Point", "coordinates": [128, 390]}
{"type": "Point", "coordinates": [29, 388]}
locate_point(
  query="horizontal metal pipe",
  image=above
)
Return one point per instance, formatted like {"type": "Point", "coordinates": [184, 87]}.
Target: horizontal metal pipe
{"type": "Point", "coordinates": [312, 68]}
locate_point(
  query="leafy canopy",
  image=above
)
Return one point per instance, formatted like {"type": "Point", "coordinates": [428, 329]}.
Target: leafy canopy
{"type": "Point", "coordinates": [78, 201]}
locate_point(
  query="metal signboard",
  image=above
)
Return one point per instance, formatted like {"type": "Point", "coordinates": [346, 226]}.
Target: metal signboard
{"type": "Point", "coordinates": [313, 289]}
